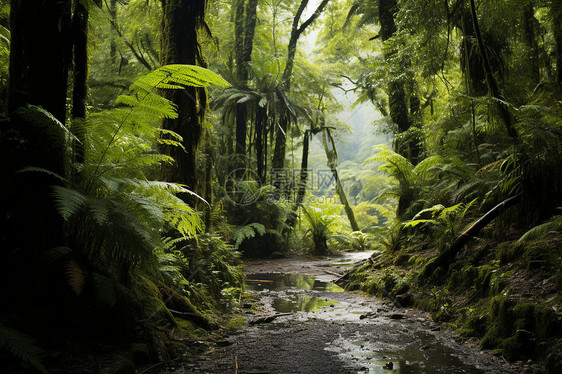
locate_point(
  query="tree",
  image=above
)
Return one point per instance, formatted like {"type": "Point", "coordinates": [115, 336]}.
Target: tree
{"type": "Point", "coordinates": [181, 20]}
{"type": "Point", "coordinates": [296, 31]}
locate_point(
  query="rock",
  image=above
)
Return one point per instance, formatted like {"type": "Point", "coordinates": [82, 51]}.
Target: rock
{"type": "Point", "coordinates": [388, 366]}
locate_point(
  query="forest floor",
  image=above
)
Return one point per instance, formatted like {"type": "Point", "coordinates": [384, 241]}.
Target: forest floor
{"type": "Point", "coordinates": [301, 322]}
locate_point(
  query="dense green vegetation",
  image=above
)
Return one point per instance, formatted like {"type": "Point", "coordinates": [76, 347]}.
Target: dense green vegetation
{"type": "Point", "coordinates": [148, 145]}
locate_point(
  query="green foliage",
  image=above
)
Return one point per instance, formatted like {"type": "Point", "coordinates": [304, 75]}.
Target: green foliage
{"type": "Point", "coordinates": [246, 232]}
{"type": "Point", "coordinates": [553, 226]}
{"type": "Point", "coordinates": [23, 347]}
{"type": "Point", "coordinates": [320, 228]}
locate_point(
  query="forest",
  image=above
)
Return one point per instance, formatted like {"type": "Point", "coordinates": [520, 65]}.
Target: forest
{"type": "Point", "coordinates": [153, 149]}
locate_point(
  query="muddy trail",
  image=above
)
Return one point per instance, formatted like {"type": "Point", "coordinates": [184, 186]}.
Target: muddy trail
{"type": "Point", "coordinates": [304, 323]}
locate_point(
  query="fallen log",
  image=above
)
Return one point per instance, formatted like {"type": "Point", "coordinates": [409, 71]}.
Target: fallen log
{"type": "Point", "coordinates": [447, 256]}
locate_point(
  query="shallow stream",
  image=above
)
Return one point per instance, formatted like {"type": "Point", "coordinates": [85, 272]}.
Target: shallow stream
{"type": "Point", "coordinates": [304, 323]}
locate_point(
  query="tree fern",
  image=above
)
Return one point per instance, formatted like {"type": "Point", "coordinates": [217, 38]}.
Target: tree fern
{"type": "Point", "coordinates": [247, 232]}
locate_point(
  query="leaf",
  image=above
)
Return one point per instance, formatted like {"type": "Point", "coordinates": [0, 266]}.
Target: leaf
{"type": "Point", "coordinates": [68, 201]}
{"type": "Point", "coordinates": [75, 276]}
{"type": "Point", "coordinates": [5, 35]}
{"type": "Point", "coordinates": [34, 169]}
{"type": "Point", "coordinates": [22, 346]}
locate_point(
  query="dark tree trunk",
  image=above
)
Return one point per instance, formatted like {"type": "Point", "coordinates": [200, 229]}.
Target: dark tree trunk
{"type": "Point", "coordinates": [261, 119]}
{"type": "Point", "coordinates": [241, 129]}
{"type": "Point", "coordinates": [29, 222]}
{"type": "Point", "coordinates": [296, 31]}
{"type": "Point", "coordinates": [557, 31]}
{"type": "Point", "coordinates": [304, 169]}
{"type": "Point", "coordinates": [181, 20]}
{"type": "Point", "coordinates": [528, 22]}
{"type": "Point", "coordinates": [397, 104]}
{"type": "Point", "coordinates": [80, 36]}
{"type": "Point", "coordinates": [278, 161]}
{"type": "Point", "coordinates": [244, 29]}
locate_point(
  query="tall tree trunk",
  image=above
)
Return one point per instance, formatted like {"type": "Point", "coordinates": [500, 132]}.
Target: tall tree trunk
{"type": "Point", "coordinates": [180, 23]}
{"type": "Point", "coordinates": [261, 119]}
{"type": "Point", "coordinates": [528, 22]}
{"type": "Point", "coordinates": [557, 31]}
{"type": "Point", "coordinates": [80, 36]}
{"type": "Point", "coordinates": [296, 31]}
{"type": "Point", "coordinates": [208, 183]}
{"type": "Point", "coordinates": [29, 223]}
{"type": "Point", "coordinates": [332, 156]}
{"type": "Point", "coordinates": [244, 29]}
{"type": "Point", "coordinates": [396, 93]}
{"type": "Point", "coordinates": [304, 169]}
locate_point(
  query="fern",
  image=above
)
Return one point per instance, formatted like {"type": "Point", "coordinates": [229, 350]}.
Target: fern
{"type": "Point", "coordinates": [553, 226]}
{"type": "Point", "coordinates": [75, 275]}
{"type": "Point", "coordinates": [54, 131]}
{"type": "Point", "coordinates": [22, 347]}
{"type": "Point", "coordinates": [247, 232]}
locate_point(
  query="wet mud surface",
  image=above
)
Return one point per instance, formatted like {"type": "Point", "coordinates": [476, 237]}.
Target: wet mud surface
{"type": "Point", "coordinates": [303, 323]}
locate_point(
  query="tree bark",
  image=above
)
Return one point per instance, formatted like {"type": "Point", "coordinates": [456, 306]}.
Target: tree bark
{"type": "Point", "coordinates": [180, 23]}
{"type": "Point", "coordinates": [528, 22]}
{"type": "Point", "coordinates": [304, 169]}
{"type": "Point", "coordinates": [557, 31]}
{"type": "Point", "coordinates": [79, 93]}
{"type": "Point", "coordinates": [398, 108]}
{"type": "Point", "coordinates": [332, 158]}
{"type": "Point", "coordinates": [296, 31]}
{"type": "Point", "coordinates": [30, 225]}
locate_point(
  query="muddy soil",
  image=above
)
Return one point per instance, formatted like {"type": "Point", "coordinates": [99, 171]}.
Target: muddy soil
{"type": "Point", "coordinates": [303, 323]}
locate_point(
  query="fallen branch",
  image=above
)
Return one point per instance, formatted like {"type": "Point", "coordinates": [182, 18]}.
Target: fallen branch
{"type": "Point", "coordinates": [445, 258]}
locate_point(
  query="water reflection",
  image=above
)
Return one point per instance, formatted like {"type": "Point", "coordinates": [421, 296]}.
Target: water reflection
{"type": "Point", "coordinates": [281, 282]}
{"type": "Point", "coordinates": [301, 303]}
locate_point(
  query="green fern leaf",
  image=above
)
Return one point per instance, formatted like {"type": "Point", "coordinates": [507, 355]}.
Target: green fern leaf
{"type": "Point", "coordinates": [52, 128]}
{"type": "Point", "coordinates": [22, 346]}
{"type": "Point", "coordinates": [76, 277]}
{"type": "Point", "coordinates": [554, 225]}
{"type": "Point", "coordinates": [68, 201]}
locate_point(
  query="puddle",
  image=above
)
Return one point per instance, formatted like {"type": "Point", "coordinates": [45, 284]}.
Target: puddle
{"type": "Point", "coordinates": [282, 282]}
{"type": "Point", "coordinates": [419, 354]}
{"type": "Point", "coordinates": [301, 303]}
{"type": "Point", "coordinates": [286, 291]}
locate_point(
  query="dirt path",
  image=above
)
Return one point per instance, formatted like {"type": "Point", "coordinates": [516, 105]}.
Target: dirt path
{"type": "Point", "coordinates": [305, 325]}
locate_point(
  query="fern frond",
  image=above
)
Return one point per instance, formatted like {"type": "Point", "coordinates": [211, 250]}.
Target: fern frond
{"type": "Point", "coordinates": [247, 232]}
{"type": "Point", "coordinates": [55, 132]}
{"type": "Point", "coordinates": [177, 77]}
{"type": "Point", "coordinates": [75, 275]}
{"type": "Point", "coordinates": [33, 169]}
{"type": "Point", "coordinates": [554, 225]}
{"type": "Point", "coordinates": [68, 201]}
{"type": "Point", "coordinates": [22, 347]}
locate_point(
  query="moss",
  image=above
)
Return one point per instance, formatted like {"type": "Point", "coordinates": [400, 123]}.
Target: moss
{"type": "Point", "coordinates": [236, 323]}
{"type": "Point", "coordinates": [508, 252]}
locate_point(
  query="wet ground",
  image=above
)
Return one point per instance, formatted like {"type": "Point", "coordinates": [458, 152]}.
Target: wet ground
{"type": "Point", "coordinates": [304, 323]}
